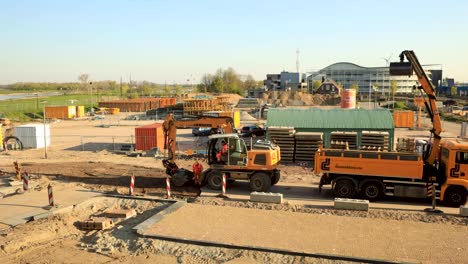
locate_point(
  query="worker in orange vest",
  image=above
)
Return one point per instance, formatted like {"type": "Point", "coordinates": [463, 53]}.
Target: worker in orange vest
{"type": "Point", "coordinates": [197, 170]}
{"type": "Point", "coordinates": [224, 150]}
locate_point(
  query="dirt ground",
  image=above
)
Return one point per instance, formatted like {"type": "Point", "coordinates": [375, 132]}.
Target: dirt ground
{"type": "Point", "coordinates": [58, 239]}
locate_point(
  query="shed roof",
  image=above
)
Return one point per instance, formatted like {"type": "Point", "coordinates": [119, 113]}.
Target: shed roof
{"type": "Point", "coordinates": [377, 119]}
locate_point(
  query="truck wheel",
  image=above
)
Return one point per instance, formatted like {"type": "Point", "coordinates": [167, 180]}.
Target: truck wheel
{"type": "Point", "coordinates": [344, 189]}
{"type": "Point", "coordinates": [215, 180]}
{"type": "Point", "coordinates": [372, 191]}
{"type": "Point", "coordinates": [260, 182]}
{"type": "Point", "coordinates": [455, 196]}
{"type": "Point", "coordinates": [275, 179]}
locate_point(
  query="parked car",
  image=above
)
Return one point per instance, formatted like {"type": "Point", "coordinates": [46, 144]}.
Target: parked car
{"type": "Point", "coordinates": [204, 131]}
{"type": "Point", "coordinates": [252, 131]}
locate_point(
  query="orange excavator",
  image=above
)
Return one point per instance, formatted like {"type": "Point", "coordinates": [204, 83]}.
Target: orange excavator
{"type": "Point", "coordinates": [257, 165]}
{"type": "Point", "coordinates": [170, 126]}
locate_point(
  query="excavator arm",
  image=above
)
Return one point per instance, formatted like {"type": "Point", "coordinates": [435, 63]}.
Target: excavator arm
{"type": "Point", "coordinates": [407, 68]}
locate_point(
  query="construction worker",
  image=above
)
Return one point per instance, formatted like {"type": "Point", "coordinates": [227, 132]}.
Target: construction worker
{"type": "Point", "coordinates": [197, 170]}
{"type": "Point", "coordinates": [224, 150]}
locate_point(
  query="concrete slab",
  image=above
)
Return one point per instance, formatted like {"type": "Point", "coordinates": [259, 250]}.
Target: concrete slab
{"type": "Point", "coordinates": [351, 204]}
{"type": "Point", "coordinates": [312, 234]}
{"type": "Point", "coordinates": [263, 197]}
{"type": "Point", "coordinates": [18, 209]}
{"type": "Point", "coordinates": [464, 210]}
{"type": "Point", "coordinates": [142, 228]}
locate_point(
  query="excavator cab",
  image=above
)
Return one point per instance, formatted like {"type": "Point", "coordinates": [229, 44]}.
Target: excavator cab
{"type": "Point", "coordinates": [236, 154]}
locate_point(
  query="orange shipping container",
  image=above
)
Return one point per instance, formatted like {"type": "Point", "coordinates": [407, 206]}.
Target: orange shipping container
{"type": "Point", "coordinates": [149, 136]}
{"type": "Point", "coordinates": [113, 111]}
{"type": "Point", "coordinates": [60, 112]}
{"type": "Point", "coordinates": [403, 119]}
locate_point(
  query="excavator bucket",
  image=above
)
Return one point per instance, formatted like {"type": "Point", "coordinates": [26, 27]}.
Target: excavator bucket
{"type": "Point", "coordinates": [401, 68]}
{"type": "Point", "coordinates": [178, 176]}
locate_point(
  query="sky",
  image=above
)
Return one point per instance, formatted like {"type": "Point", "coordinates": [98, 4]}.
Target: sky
{"type": "Point", "coordinates": [176, 41]}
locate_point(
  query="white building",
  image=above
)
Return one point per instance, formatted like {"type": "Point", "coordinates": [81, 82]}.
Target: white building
{"type": "Point", "coordinates": [368, 77]}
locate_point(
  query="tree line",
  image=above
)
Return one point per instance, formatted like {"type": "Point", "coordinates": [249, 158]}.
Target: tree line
{"type": "Point", "coordinates": [227, 81]}
{"type": "Point", "coordinates": [222, 81]}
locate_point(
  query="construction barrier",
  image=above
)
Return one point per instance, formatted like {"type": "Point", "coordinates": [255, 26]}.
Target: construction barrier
{"type": "Point", "coordinates": [224, 185]}
{"type": "Point", "coordinates": [51, 195]}
{"type": "Point", "coordinates": [132, 185]}
{"type": "Point", "coordinates": [25, 181]}
{"type": "Point", "coordinates": [430, 189]}
{"type": "Point", "coordinates": [168, 187]}
{"type": "Point", "coordinates": [17, 169]}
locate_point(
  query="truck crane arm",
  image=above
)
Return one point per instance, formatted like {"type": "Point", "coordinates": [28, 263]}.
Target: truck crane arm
{"type": "Point", "coordinates": [407, 68]}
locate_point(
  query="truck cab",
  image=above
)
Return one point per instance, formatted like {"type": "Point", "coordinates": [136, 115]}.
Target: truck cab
{"type": "Point", "coordinates": [453, 170]}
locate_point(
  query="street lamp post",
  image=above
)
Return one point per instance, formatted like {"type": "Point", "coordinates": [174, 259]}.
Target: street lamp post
{"type": "Point", "coordinates": [45, 131]}
{"type": "Point", "coordinates": [37, 100]}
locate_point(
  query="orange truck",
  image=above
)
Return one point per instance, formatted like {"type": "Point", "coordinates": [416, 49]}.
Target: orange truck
{"type": "Point", "coordinates": [373, 174]}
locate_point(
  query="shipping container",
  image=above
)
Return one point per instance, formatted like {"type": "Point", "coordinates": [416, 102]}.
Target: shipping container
{"type": "Point", "coordinates": [32, 135]}
{"type": "Point", "coordinates": [113, 111]}
{"type": "Point", "coordinates": [80, 111]}
{"type": "Point", "coordinates": [60, 112]}
{"type": "Point", "coordinates": [149, 136]}
{"type": "Point", "coordinates": [235, 115]}
{"type": "Point", "coordinates": [403, 119]}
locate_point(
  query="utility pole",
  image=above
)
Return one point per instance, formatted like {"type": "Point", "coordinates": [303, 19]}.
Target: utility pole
{"type": "Point", "coordinates": [45, 135]}
{"type": "Point", "coordinates": [120, 87]}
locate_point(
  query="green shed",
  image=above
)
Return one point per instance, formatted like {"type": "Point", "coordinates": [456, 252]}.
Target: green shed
{"type": "Point", "coordinates": [332, 122]}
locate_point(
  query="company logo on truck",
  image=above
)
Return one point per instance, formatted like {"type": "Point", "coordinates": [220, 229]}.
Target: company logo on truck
{"type": "Point", "coordinates": [454, 172]}
{"type": "Point", "coordinates": [325, 165]}
{"type": "Point", "coordinates": [348, 167]}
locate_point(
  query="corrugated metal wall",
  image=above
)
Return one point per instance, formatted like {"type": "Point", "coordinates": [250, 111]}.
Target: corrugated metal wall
{"type": "Point", "coordinates": [32, 135]}
{"type": "Point", "coordinates": [149, 136]}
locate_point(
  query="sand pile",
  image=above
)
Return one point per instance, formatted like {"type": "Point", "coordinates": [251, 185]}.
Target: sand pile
{"type": "Point", "coordinates": [244, 116]}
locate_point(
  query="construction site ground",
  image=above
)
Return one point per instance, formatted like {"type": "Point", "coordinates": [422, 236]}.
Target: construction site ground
{"type": "Point", "coordinates": [97, 170]}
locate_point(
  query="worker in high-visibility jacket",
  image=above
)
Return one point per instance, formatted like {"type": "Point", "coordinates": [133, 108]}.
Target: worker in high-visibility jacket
{"type": "Point", "coordinates": [197, 168]}
{"type": "Point", "coordinates": [224, 150]}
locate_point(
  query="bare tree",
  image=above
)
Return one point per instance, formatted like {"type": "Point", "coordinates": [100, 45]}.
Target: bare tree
{"type": "Point", "coordinates": [83, 78]}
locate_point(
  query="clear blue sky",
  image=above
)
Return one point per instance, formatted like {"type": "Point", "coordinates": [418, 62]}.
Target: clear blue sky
{"type": "Point", "coordinates": [171, 40]}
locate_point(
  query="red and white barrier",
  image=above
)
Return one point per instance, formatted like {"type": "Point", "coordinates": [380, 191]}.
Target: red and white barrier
{"type": "Point", "coordinates": [168, 187]}
{"type": "Point", "coordinates": [51, 195]}
{"type": "Point", "coordinates": [132, 186]}
{"type": "Point", "coordinates": [224, 185]}
{"type": "Point", "coordinates": [25, 181]}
